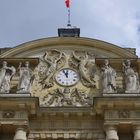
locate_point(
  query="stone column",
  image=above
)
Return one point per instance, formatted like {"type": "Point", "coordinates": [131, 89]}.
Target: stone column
{"type": "Point", "coordinates": [137, 133]}
{"type": "Point", "coordinates": [20, 134]}
{"type": "Point", "coordinates": [111, 133]}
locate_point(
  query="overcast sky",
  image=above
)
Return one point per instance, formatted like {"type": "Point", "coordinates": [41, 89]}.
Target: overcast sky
{"type": "Point", "coordinates": [114, 21]}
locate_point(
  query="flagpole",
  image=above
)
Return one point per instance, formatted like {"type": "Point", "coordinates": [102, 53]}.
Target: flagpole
{"type": "Point", "coordinates": [69, 22]}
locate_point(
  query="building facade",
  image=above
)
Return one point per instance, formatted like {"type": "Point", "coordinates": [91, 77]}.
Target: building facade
{"type": "Point", "coordinates": [69, 88]}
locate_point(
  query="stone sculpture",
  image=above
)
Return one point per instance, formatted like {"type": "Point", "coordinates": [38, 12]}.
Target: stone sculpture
{"type": "Point", "coordinates": [48, 65]}
{"type": "Point", "coordinates": [66, 97]}
{"type": "Point", "coordinates": [6, 74]}
{"type": "Point", "coordinates": [25, 78]}
{"type": "Point", "coordinates": [131, 78]}
{"type": "Point", "coordinates": [86, 68]}
{"type": "Point", "coordinates": [108, 78]}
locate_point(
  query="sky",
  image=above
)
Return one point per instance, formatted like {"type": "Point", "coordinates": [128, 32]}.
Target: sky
{"type": "Point", "coordinates": [113, 21]}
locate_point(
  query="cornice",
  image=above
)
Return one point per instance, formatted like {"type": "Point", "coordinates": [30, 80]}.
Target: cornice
{"type": "Point", "coordinates": [66, 41]}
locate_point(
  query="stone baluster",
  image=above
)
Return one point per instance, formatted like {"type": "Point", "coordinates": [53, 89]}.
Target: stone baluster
{"type": "Point", "coordinates": [137, 133]}
{"type": "Point", "coordinates": [111, 133]}
{"type": "Point", "coordinates": [20, 134]}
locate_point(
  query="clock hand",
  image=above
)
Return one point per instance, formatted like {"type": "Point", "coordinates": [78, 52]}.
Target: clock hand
{"type": "Point", "coordinates": [66, 73]}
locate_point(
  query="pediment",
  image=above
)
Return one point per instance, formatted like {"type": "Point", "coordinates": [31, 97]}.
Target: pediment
{"type": "Point", "coordinates": [36, 48]}
{"type": "Point", "coordinates": [65, 71]}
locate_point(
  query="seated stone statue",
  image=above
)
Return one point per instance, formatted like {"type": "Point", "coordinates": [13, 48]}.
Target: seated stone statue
{"type": "Point", "coordinates": [131, 78]}
{"type": "Point", "coordinates": [6, 74]}
{"type": "Point", "coordinates": [108, 78]}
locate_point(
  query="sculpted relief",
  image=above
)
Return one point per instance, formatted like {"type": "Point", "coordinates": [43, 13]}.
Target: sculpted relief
{"type": "Point", "coordinates": [68, 78]}
{"type": "Point", "coordinates": [48, 65]}
{"type": "Point", "coordinates": [65, 69]}
{"type": "Point", "coordinates": [60, 77]}
{"type": "Point", "coordinates": [86, 67]}
{"type": "Point", "coordinates": [66, 97]}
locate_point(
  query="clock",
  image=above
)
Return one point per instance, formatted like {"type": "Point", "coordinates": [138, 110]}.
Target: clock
{"type": "Point", "coordinates": [67, 77]}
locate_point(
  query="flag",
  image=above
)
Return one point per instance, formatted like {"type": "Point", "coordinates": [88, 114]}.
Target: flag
{"type": "Point", "coordinates": [67, 2]}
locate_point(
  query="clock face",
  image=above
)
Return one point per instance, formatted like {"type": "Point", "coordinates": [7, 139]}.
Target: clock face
{"type": "Point", "coordinates": [67, 77]}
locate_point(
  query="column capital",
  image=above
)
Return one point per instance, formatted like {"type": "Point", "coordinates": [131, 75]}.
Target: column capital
{"type": "Point", "coordinates": [110, 127]}
{"type": "Point", "coordinates": [21, 128]}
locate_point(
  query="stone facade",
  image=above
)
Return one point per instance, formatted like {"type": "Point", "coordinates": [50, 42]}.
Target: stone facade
{"type": "Point", "coordinates": [69, 88]}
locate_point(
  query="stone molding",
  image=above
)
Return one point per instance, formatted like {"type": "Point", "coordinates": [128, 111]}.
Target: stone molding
{"type": "Point", "coordinates": [67, 135]}
{"type": "Point", "coordinates": [68, 124]}
{"type": "Point", "coordinates": [122, 114]}
{"type": "Point", "coordinates": [15, 118]}
{"type": "Point", "coordinates": [121, 95]}
{"type": "Point", "coordinates": [15, 95]}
